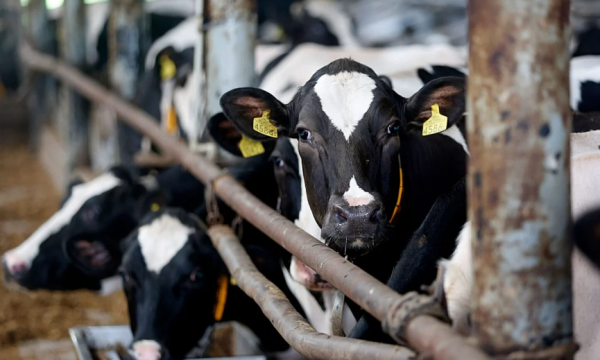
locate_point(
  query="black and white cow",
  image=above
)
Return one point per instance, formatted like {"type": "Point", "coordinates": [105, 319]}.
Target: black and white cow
{"type": "Point", "coordinates": [93, 218]}
{"type": "Point", "coordinates": [355, 134]}
{"type": "Point", "coordinates": [177, 286]}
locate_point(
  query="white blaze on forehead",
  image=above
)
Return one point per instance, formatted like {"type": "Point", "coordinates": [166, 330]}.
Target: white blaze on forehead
{"type": "Point", "coordinates": [355, 196]}
{"type": "Point", "coordinates": [345, 98]}
{"type": "Point", "coordinates": [161, 240]}
{"type": "Point", "coordinates": [28, 250]}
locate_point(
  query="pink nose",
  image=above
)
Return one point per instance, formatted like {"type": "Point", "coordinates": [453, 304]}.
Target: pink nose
{"type": "Point", "coordinates": [146, 350]}
{"type": "Point", "coordinates": [16, 267]}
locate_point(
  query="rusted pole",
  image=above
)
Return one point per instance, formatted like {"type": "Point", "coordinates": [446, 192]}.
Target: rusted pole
{"type": "Point", "coordinates": [73, 122]}
{"type": "Point", "coordinates": [424, 334]}
{"type": "Point", "coordinates": [288, 322]}
{"type": "Point", "coordinates": [518, 132]}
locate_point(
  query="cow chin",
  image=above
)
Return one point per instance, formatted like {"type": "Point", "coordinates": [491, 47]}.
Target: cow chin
{"type": "Point", "coordinates": [353, 247]}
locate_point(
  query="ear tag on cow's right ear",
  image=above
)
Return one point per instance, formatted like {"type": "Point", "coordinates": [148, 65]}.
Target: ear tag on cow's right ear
{"type": "Point", "coordinates": [436, 123]}
{"type": "Point", "coordinates": [167, 67]}
{"type": "Point", "coordinates": [250, 148]}
{"type": "Point", "coordinates": [263, 125]}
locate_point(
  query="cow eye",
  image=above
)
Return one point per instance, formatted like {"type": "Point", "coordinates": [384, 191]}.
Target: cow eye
{"type": "Point", "coordinates": [196, 275]}
{"type": "Point", "coordinates": [279, 162]}
{"type": "Point", "coordinates": [125, 276]}
{"type": "Point", "coordinates": [304, 135]}
{"type": "Point", "coordinates": [92, 214]}
{"type": "Point", "coordinates": [393, 128]}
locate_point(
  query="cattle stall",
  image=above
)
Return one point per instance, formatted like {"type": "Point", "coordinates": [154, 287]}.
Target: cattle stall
{"type": "Point", "coordinates": [518, 115]}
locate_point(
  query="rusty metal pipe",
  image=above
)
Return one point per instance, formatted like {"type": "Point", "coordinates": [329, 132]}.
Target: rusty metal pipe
{"type": "Point", "coordinates": [365, 290]}
{"type": "Point", "coordinates": [288, 322]}
{"type": "Point", "coordinates": [518, 131]}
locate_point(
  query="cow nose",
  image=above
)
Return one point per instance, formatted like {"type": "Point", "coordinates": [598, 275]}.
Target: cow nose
{"type": "Point", "coordinates": [371, 213]}
{"type": "Point", "coordinates": [14, 268]}
{"type": "Point", "coordinates": [147, 350]}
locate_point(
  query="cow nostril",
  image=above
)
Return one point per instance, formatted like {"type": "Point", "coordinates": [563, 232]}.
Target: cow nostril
{"type": "Point", "coordinates": [340, 216]}
{"type": "Point", "coordinates": [377, 215]}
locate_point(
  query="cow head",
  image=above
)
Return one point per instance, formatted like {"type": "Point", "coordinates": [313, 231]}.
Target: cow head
{"type": "Point", "coordinates": [353, 133]}
{"type": "Point", "coordinates": [78, 246]}
{"type": "Point", "coordinates": [167, 273]}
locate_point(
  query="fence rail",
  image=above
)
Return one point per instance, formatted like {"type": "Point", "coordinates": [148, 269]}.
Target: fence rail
{"type": "Point", "coordinates": [423, 333]}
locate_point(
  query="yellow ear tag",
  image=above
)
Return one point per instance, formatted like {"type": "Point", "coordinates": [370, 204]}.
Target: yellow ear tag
{"type": "Point", "coordinates": [232, 281]}
{"type": "Point", "coordinates": [154, 207]}
{"type": "Point", "coordinates": [436, 123]}
{"type": "Point", "coordinates": [219, 308]}
{"type": "Point", "coordinates": [171, 121]}
{"type": "Point", "coordinates": [167, 67]}
{"type": "Point", "coordinates": [250, 148]}
{"type": "Point", "coordinates": [264, 126]}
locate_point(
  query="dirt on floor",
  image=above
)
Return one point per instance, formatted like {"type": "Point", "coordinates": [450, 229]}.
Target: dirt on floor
{"type": "Point", "coordinates": [27, 199]}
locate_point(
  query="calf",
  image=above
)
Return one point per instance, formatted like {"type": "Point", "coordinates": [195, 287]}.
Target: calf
{"type": "Point", "coordinates": [78, 247]}
{"type": "Point", "coordinates": [177, 286]}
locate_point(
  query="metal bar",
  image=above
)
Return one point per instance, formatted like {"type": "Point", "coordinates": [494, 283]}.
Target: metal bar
{"type": "Point", "coordinates": [424, 334]}
{"type": "Point", "coordinates": [518, 131]}
{"type": "Point", "coordinates": [200, 102]}
{"type": "Point", "coordinates": [230, 42]}
{"type": "Point", "coordinates": [288, 322]}
{"type": "Point", "coordinates": [73, 120]}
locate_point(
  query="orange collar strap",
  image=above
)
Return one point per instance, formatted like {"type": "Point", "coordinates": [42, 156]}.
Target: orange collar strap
{"type": "Point", "coordinates": [397, 208]}
{"type": "Point", "coordinates": [222, 287]}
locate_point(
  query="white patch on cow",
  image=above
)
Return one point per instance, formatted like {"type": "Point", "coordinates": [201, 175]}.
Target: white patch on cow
{"type": "Point", "coordinates": [146, 350]}
{"type": "Point", "coordinates": [355, 196]}
{"type": "Point", "coordinates": [161, 240]}
{"type": "Point", "coordinates": [181, 37]}
{"type": "Point", "coordinates": [28, 250]}
{"type": "Point", "coordinates": [110, 285]}
{"type": "Point", "coordinates": [454, 133]}
{"type": "Point", "coordinates": [345, 98]}
{"type": "Point", "coordinates": [306, 221]}
{"type": "Point", "coordinates": [184, 101]}
{"type": "Point", "coordinates": [583, 68]}
{"type": "Point", "coordinates": [458, 279]}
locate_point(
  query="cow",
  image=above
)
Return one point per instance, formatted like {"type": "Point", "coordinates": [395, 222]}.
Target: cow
{"type": "Point", "coordinates": [355, 134]}
{"type": "Point", "coordinates": [177, 286]}
{"type": "Point", "coordinates": [94, 216]}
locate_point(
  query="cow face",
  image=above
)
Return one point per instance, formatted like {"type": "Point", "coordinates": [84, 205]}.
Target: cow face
{"type": "Point", "coordinates": [170, 281]}
{"type": "Point", "coordinates": [353, 132]}
{"type": "Point", "coordinates": [92, 219]}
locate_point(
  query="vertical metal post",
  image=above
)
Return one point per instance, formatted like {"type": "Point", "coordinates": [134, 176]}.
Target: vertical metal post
{"type": "Point", "coordinates": [230, 42]}
{"type": "Point", "coordinates": [199, 106]}
{"type": "Point", "coordinates": [126, 42]}
{"type": "Point", "coordinates": [73, 124]}
{"type": "Point", "coordinates": [518, 128]}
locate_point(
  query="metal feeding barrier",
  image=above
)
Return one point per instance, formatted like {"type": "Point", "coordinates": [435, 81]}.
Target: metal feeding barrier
{"type": "Point", "coordinates": [519, 120]}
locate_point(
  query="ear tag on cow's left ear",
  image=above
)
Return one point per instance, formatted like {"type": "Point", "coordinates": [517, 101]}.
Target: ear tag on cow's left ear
{"type": "Point", "coordinates": [263, 125]}
{"type": "Point", "coordinates": [154, 207]}
{"type": "Point", "coordinates": [436, 123]}
{"type": "Point", "coordinates": [250, 147]}
{"type": "Point", "coordinates": [167, 67]}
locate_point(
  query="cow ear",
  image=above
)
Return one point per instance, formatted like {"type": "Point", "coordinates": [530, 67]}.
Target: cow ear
{"type": "Point", "coordinates": [224, 133]}
{"type": "Point", "coordinates": [447, 93]}
{"type": "Point", "coordinates": [243, 105]}
{"type": "Point", "coordinates": [96, 258]}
